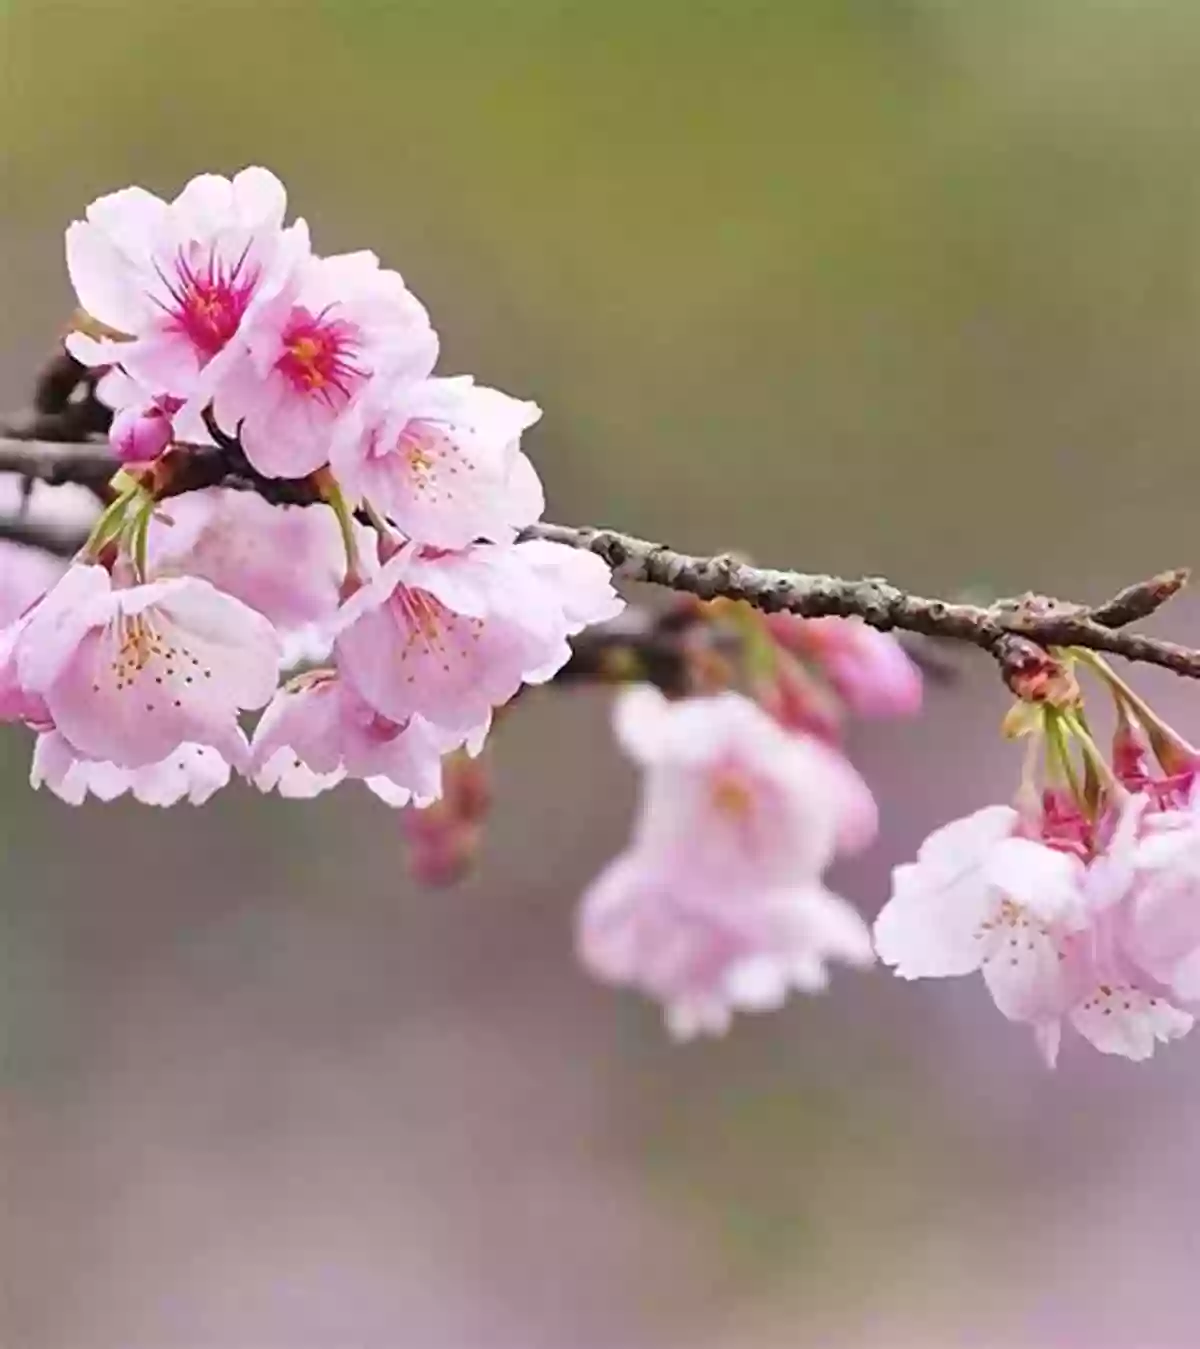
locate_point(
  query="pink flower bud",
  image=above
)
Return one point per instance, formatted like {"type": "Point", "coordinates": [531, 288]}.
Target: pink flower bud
{"type": "Point", "coordinates": [444, 837]}
{"type": "Point", "coordinates": [869, 670]}
{"type": "Point", "coordinates": [139, 434]}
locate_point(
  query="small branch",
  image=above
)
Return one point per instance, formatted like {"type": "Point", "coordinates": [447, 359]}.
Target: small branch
{"type": "Point", "coordinates": [1140, 600]}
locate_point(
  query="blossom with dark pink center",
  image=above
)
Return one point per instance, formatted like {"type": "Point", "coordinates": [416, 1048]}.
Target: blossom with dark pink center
{"type": "Point", "coordinates": [312, 351]}
{"type": "Point", "coordinates": [180, 281]}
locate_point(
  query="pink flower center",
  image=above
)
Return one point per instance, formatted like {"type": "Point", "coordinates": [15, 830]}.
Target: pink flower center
{"type": "Point", "coordinates": [320, 356]}
{"type": "Point", "coordinates": [209, 300]}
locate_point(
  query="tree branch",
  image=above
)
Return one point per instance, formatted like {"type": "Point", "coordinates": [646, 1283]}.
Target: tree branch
{"type": "Point", "coordinates": [54, 443]}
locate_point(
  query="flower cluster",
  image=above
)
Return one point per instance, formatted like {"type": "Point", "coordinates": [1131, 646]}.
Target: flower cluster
{"type": "Point", "coordinates": [719, 903]}
{"type": "Point", "coordinates": [408, 595]}
{"type": "Point", "coordinates": [1080, 903]}
{"type": "Point", "coordinates": [379, 628]}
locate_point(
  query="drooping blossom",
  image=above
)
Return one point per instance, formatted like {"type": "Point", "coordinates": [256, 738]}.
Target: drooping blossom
{"type": "Point", "coordinates": [192, 772]}
{"type": "Point", "coordinates": [318, 731]}
{"type": "Point", "coordinates": [718, 904]}
{"type": "Point", "coordinates": [444, 836]}
{"type": "Point", "coordinates": [441, 458]}
{"type": "Point", "coordinates": [979, 896]}
{"type": "Point", "coordinates": [130, 674]}
{"type": "Point", "coordinates": [312, 351]}
{"type": "Point", "coordinates": [450, 636]}
{"type": "Point", "coordinates": [1048, 927]}
{"type": "Point", "coordinates": [288, 562]}
{"type": "Point", "coordinates": [180, 281]}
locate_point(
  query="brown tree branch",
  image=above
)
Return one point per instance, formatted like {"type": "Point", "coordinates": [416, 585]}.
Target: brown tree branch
{"type": "Point", "coordinates": [55, 443]}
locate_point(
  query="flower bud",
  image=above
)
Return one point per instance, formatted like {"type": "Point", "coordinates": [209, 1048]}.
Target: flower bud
{"type": "Point", "coordinates": [139, 434]}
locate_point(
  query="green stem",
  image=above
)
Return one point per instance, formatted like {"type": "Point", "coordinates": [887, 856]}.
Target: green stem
{"type": "Point", "coordinates": [111, 521]}
{"type": "Point", "coordinates": [1056, 743]}
{"type": "Point", "coordinates": [336, 500]}
{"type": "Point", "coordinates": [1092, 753]}
{"type": "Point", "coordinates": [138, 538]}
{"type": "Point", "coordinates": [1157, 728]}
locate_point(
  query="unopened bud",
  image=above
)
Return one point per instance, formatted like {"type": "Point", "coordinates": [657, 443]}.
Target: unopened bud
{"type": "Point", "coordinates": [139, 434]}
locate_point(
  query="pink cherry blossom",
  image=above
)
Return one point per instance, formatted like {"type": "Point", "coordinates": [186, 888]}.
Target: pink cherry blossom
{"type": "Point", "coordinates": [442, 459]}
{"type": "Point", "coordinates": [181, 279]}
{"type": "Point", "coordinates": [191, 772]}
{"type": "Point", "coordinates": [288, 562]}
{"type": "Point", "coordinates": [868, 669]}
{"type": "Point", "coordinates": [450, 636]}
{"type": "Point", "coordinates": [979, 896]}
{"type": "Point", "coordinates": [318, 731]}
{"type": "Point", "coordinates": [312, 351]}
{"type": "Point", "coordinates": [128, 675]}
{"type": "Point", "coordinates": [1059, 938]}
{"type": "Point", "coordinates": [717, 905]}
{"type": "Point", "coordinates": [781, 803]}
{"type": "Point", "coordinates": [704, 956]}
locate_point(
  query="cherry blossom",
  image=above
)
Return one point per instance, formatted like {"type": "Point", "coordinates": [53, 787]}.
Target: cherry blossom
{"type": "Point", "coordinates": [717, 904]}
{"type": "Point", "coordinates": [704, 956]}
{"type": "Point", "coordinates": [450, 636]}
{"type": "Point", "coordinates": [441, 458]}
{"type": "Point", "coordinates": [179, 282]}
{"type": "Point", "coordinates": [779, 802]}
{"type": "Point", "coordinates": [1059, 937]}
{"type": "Point", "coordinates": [129, 674]}
{"type": "Point", "coordinates": [980, 897]}
{"type": "Point", "coordinates": [312, 351]}
{"type": "Point", "coordinates": [318, 731]}
{"type": "Point", "coordinates": [288, 562]}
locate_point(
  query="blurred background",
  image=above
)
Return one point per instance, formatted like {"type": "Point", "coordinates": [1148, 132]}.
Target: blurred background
{"type": "Point", "coordinates": [893, 286]}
